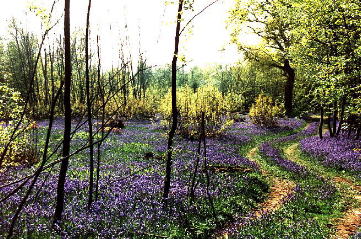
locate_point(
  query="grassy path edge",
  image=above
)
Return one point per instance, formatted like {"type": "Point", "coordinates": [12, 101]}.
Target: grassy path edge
{"type": "Point", "coordinates": [280, 190]}
{"type": "Point", "coordinates": [348, 224]}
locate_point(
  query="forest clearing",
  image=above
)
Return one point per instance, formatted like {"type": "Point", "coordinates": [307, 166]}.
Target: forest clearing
{"type": "Point", "coordinates": [108, 131]}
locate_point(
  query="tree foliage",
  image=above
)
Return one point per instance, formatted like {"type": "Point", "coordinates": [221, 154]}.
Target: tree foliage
{"type": "Point", "coordinates": [267, 19]}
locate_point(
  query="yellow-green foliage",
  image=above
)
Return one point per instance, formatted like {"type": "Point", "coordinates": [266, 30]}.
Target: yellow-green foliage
{"type": "Point", "coordinates": [20, 151]}
{"type": "Point", "coordinates": [10, 103]}
{"type": "Point", "coordinates": [234, 102]}
{"type": "Point", "coordinates": [143, 107]}
{"type": "Point", "coordinates": [264, 111]}
{"type": "Point", "coordinates": [190, 104]}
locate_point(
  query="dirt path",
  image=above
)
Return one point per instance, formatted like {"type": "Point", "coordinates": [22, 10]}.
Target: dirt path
{"type": "Point", "coordinates": [280, 190]}
{"type": "Point", "coordinates": [351, 220]}
{"type": "Point", "coordinates": [349, 223]}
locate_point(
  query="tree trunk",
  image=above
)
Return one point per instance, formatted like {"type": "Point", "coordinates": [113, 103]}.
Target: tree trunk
{"type": "Point", "coordinates": [320, 127]}
{"type": "Point", "coordinates": [174, 104]}
{"type": "Point", "coordinates": [334, 119]}
{"type": "Point", "coordinates": [124, 88]}
{"type": "Point", "coordinates": [67, 117]}
{"type": "Point", "coordinates": [342, 115]}
{"type": "Point", "coordinates": [290, 82]}
{"type": "Point", "coordinates": [101, 93]}
{"type": "Point", "coordinates": [206, 169]}
{"type": "Point", "coordinates": [44, 66]}
{"type": "Point", "coordinates": [89, 111]}
{"type": "Point", "coordinates": [329, 126]}
{"type": "Point", "coordinates": [195, 172]}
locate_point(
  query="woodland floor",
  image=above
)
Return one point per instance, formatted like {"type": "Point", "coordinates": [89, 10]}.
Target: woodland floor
{"type": "Point", "coordinates": [262, 183]}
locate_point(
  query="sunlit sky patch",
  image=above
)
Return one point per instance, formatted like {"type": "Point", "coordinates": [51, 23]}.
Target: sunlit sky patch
{"type": "Point", "coordinates": [148, 24]}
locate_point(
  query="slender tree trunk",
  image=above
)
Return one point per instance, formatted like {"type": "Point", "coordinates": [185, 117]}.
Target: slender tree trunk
{"type": "Point", "coordinates": [194, 174]}
{"type": "Point", "coordinates": [102, 96]}
{"type": "Point", "coordinates": [349, 131]}
{"type": "Point", "coordinates": [51, 58]}
{"type": "Point", "coordinates": [89, 111]}
{"type": "Point", "coordinates": [206, 168]}
{"type": "Point", "coordinates": [44, 66]}
{"type": "Point", "coordinates": [124, 88]}
{"type": "Point", "coordinates": [67, 118]}
{"type": "Point", "coordinates": [320, 127]}
{"type": "Point", "coordinates": [174, 104]}
{"type": "Point", "coordinates": [289, 86]}
{"type": "Point", "coordinates": [342, 115]}
{"type": "Point", "coordinates": [334, 119]}
{"type": "Point", "coordinates": [329, 125]}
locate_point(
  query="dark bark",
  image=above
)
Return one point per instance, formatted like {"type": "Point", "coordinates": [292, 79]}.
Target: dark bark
{"type": "Point", "coordinates": [101, 94]}
{"type": "Point", "coordinates": [320, 127]}
{"type": "Point", "coordinates": [194, 174]}
{"type": "Point", "coordinates": [206, 168]}
{"type": "Point", "coordinates": [334, 120]}
{"type": "Point", "coordinates": [124, 88]}
{"type": "Point", "coordinates": [330, 130]}
{"type": "Point", "coordinates": [44, 66]}
{"type": "Point", "coordinates": [342, 116]}
{"type": "Point", "coordinates": [67, 118]}
{"type": "Point", "coordinates": [51, 58]}
{"type": "Point", "coordinates": [89, 111]}
{"type": "Point", "coordinates": [174, 104]}
{"type": "Point", "coordinates": [289, 86]}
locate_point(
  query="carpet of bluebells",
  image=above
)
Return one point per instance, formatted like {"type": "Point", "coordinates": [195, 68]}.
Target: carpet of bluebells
{"type": "Point", "coordinates": [131, 182]}
{"type": "Point", "coordinates": [342, 152]}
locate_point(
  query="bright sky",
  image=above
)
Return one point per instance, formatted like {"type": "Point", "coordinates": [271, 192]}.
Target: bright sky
{"type": "Point", "coordinates": [152, 20]}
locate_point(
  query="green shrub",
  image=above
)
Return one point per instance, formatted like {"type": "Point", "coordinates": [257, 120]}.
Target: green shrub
{"type": "Point", "coordinates": [264, 111]}
{"type": "Point", "coordinates": [10, 103]}
{"type": "Point", "coordinates": [137, 108]}
{"type": "Point", "coordinates": [191, 105]}
{"type": "Point", "coordinates": [235, 102]}
{"type": "Point", "coordinates": [20, 151]}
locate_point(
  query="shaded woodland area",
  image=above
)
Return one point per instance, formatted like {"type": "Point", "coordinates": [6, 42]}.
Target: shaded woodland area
{"type": "Point", "coordinates": [266, 147]}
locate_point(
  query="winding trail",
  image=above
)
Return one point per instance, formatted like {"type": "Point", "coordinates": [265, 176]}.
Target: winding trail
{"type": "Point", "coordinates": [351, 220]}
{"type": "Point", "coordinates": [280, 191]}
{"type": "Point", "coordinates": [349, 223]}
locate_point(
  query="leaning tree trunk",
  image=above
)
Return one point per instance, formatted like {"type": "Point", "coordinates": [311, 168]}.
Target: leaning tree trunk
{"type": "Point", "coordinates": [67, 118]}
{"type": "Point", "coordinates": [174, 104]}
{"type": "Point", "coordinates": [290, 82]}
